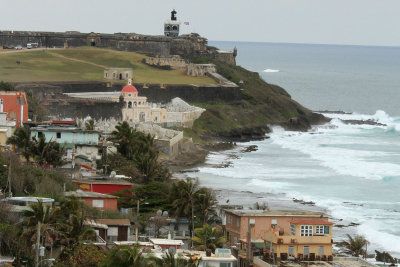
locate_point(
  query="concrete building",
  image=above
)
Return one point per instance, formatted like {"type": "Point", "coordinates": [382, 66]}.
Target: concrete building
{"type": "Point", "coordinates": [171, 26]}
{"type": "Point", "coordinates": [95, 200]}
{"type": "Point", "coordinates": [16, 106]}
{"type": "Point", "coordinates": [102, 185]}
{"type": "Point", "coordinates": [118, 73]}
{"type": "Point", "coordinates": [111, 230]}
{"type": "Point", "coordinates": [7, 128]}
{"type": "Point", "coordinates": [136, 108]}
{"type": "Point", "coordinates": [287, 232]}
{"type": "Point", "coordinates": [66, 136]}
{"type": "Point", "coordinates": [19, 204]}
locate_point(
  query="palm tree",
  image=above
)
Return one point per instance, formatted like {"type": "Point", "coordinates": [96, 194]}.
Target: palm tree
{"type": "Point", "coordinates": [89, 125]}
{"type": "Point", "coordinates": [22, 139]}
{"type": "Point", "coordinates": [126, 256]}
{"type": "Point", "coordinates": [47, 217]}
{"type": "Point", "coordinates": [355, 245]}
{"type": "Point", "coordinates": [183, 195]}
{"type": "Point", "coordinates": [47, 153]}
{"type": "Point", "coordinates": [208, 238]}
{"type": "Point", "coordinates": [169, 260]}
{"type": "Point", "coordinates": [206, 202]}
{"type": "Point", "coordinates": [125, 136]}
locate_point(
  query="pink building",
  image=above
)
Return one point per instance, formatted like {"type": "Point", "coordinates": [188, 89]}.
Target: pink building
{"type": "Point", "coordinates": [95, 200]}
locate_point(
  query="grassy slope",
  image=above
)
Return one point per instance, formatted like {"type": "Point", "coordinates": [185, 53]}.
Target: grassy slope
{"type": "Point", "coordinates": [49, 66]}
{"type": "Point", "coordinates": [262, 104]}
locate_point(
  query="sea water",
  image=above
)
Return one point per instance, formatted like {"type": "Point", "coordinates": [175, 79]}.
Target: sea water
{"type": "Point", "coordinates": [350, 171]}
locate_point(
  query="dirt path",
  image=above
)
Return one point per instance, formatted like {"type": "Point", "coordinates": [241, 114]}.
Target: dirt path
{"type": "Point", "coordinates": [78, 60]}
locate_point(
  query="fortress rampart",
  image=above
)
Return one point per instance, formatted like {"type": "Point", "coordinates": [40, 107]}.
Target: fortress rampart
{"type": "Point", "coordinates": [187, 46]}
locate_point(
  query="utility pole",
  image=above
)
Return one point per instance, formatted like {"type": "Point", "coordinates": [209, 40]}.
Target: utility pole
{"type": "Point", "coordinates": [9, 174]}
{"type": "Point", "coordinates": [37, 245]}
{"type": "Point", "coordinates": [191, 202]}
{"type": "Point", "coordinates": [251, 222]}
{"type": "Point", "coordinates": [137, 222]}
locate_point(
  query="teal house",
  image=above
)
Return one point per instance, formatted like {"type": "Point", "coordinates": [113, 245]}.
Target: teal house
{"type": "Point", "coordinates": [69, 137]}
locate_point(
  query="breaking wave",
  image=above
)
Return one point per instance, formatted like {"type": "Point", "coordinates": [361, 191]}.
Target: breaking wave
{"type": "Point", "coordinates": [270, 70]}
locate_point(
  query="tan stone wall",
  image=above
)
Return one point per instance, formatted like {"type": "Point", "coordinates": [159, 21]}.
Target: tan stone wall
{"type": "Point", "coordinates": [175, 62]}
{"type": "Point", "coordinates": [200, 69]}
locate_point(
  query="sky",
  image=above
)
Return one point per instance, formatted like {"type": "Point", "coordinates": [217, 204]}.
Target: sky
{"type": "Point", "coordinates": [356, 22]}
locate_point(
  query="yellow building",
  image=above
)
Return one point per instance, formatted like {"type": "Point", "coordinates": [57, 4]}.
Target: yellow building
{"type": "Point", "coordinates": [307, 239]}
{"type": "Point", "coordinates": [136, 108]}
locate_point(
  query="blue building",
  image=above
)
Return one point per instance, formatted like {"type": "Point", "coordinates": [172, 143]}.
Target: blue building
{"type": "Point", "coordinates": [68, 137]}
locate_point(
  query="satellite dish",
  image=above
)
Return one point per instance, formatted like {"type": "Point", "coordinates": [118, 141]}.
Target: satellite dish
{"type": "Point", "coordinates": [172, 250]}
{"type": "Point", "coordinates": [159, 212]}
{"type": "Point", "coordinates": [165, 214]}
{"type": "Point", "coordinates": [113, 174]}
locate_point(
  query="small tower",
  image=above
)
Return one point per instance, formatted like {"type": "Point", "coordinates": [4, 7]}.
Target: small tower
{"type": "Point", "coordinates": [171, 26]}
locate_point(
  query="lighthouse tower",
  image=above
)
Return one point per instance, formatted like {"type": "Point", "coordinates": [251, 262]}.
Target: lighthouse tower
{"type": "Point", "coordinates": [171, 26]}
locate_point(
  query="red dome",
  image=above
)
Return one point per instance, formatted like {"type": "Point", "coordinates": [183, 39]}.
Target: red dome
{"type": "Point", "coordinates": [129, 89]}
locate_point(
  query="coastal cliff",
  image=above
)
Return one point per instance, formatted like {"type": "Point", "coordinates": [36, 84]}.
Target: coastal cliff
{"type": "Point", "coordinates": [262, 105]}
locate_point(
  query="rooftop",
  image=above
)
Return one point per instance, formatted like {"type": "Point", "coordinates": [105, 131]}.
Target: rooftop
{"type": "Point", "coordinates": [270, 213]}
{"type": "Point", "coordinates": [311, 221]}
{"type": "Point", "coordinates": [119, 222]}
{"type": "Point", "coordinates": [86, 194]}
{"type": "Point", "coordinates": [160, 241]}
{"type": "Point", "coordinates": [103, 180]}
{"type": "Point", "coordinates": [30, 199]}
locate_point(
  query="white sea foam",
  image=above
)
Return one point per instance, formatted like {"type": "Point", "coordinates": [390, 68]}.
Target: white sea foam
{"type": "Point", "coordinates": [271, 71]}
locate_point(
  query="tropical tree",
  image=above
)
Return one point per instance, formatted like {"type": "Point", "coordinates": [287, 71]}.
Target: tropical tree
{"type": "Point", "coordinates": [89, 125]}
{"type": "Point", "coordinates": [183, 195]}
{"type": "Point", "coordinates": [47, 217]}
{"type": "Point", "coordinates": [82, 255]}
{"type": "Point", "coordinates": [126, 256]}
{"type": "Point", "coordinates": [47, 153]}
{"type": "Point", "coordinates": [125, 138]}
{"type": "Point", "coordinates": [22, 139]}
{"type": "Point", "coordinates": [206, 201]}
{"type": "Point", "coordinates": [354, 246]}
{"type": "Point", "coordinates": [169, 260]}
{"type": "Point", "coordinates": [208, 237]}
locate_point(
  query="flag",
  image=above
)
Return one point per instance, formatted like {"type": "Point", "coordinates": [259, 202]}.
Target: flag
{"type": "Point", "coordinates": [186, 23]}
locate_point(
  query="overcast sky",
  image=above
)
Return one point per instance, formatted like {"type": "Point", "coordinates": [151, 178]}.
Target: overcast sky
{"type": "Point", "coordinates": [363, 22]}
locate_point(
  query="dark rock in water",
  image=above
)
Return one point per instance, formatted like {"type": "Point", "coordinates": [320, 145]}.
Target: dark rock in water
{"type": "Point", "coordinates": [363, 122]}
{"type": "Point", "coordinates": [311, 203]}
{"type": "Point", "coordinates": [353, 224]}
{"type": "Point", "coordinates": [333, 112]}
{"type": "Point", "coordinates": [246, 134]}
{"type": "Point", "coordinates": [219, 146]}
{"type": "Point", "coordinates": [340, 225]}
{"type": "Point", "coordinates": [250, 149]}
{"type": "Point", "coordinates": [303, 123]}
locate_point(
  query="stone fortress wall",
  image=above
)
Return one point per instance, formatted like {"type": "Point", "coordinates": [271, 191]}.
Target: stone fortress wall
{"type": "Point", "coordinates": [187, 46]}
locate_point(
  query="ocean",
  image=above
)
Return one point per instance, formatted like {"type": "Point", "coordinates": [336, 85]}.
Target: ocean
{"type": "Point", "coordinates": [352, 172]}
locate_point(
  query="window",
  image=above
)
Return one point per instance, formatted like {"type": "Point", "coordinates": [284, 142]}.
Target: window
{"type": "Point", "coordinates": [127, 75]}
{"type": "Point", "coordinates": [237, 221]}
{"type": "Point", "coordinates": [306, 250]}
{"type": "Point", "coordinates": [58, 135]}
{"type": "Point", "coordinates": [292, 229]}
{"type": "Point", "coordinates": [321, 250]}
{"type": "Point", "coordinates": [291, 250]}
{"type": "Point", "coordinates": [227, 236]}
{"type": "Point", "coordinates": [112, 231]}
{"type": "Point", "coordinates": [106, 74]}
{"type": "Point", "coordinates": [306, 230]}
{"type": "Point", "coordinates": [98, 203]}
{"type": "Point", "coordinates": [319, 229]}
{"type": "Point", "coordinates": [235, 240]}
{"type": "Point", "coordinates": [326, 229]}
{"type": "Point", "coordinates": [230, 219]}
{"type": "Point", "coordinates": [114, 75]}
{"type": "Point", "coordinates": [225, 264]}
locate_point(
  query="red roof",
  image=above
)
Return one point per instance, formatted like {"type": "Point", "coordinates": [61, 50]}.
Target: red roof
{"type": "Point", "coordinates": [129, 89]}
{"type": "Point", "coordinates": [311, 221]}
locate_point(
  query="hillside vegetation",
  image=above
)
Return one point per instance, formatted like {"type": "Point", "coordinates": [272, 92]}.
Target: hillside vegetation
{"type": "Point", "coordinates": [262, 104]}
{"type": "Point", "coordinates": [84, 64]}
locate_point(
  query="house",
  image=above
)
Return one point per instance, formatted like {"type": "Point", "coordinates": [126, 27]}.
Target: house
{"type": "Point", "coordinates": [303, 239]}
{"type": "Point", "coordinates": [283, 223]}
{"type": "Point", "coordinates": [19, 204]}
{"type": "Point", "coordinates": [104, 185]}
{"type": "Point", "coordinates": [14, 103]}
{"type": "Point", "coordinates": [166, 243]}
{"type": "Point", "coordinates": [7, 128]}
{"type": "Point", "coordinates": [118, 73]}
{"type": "Point", "coordinates": [117, 229]}
{"type": "Point", "coordinates": [95, 200]}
